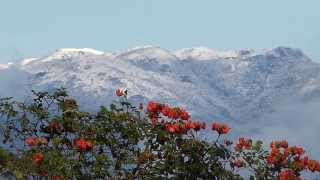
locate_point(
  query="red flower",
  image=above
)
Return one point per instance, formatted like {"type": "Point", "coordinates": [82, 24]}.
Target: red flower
{"type": "Point", "coordinates": [153, 107]}
{"type": "Point", "coordinates": [171, 128]}
{"type": "Point", "coordinates": [243, 144]}
{"type": "Point", "coordinates": [31, 141]}
{"type": "Point", "coordinates": [221, 128]}
{"type": "Point", "coordinates": [83, 145]}
{"type": "Point", "coordinates": [120, 92]}
{"type": "Point", "coordinates": [296, 150]}
{"type": "Point", "coordinates": [183, 129]}
{"type": "Point", "coordinates": [282, 154]}
{"type": "Point", "coordinates": [224, 129]}
{"type": "Point", "coordinates": [178, 128]}
{"type": "Point", "coordinates": [194, 125]}
{"type": "Point", "coordinates": [165, 110]}
{"type": "Point", "coordinates": [284, 144]}
{"type": "Point", "coordinates": [184, 115]}
{"type": "Point", "coordinates": [288, 175]}
{"type": "Point", "coordinates": [298, 164]}
{"type": "Point", "coordinates": [215, 126]}
{"type": "Point", "coordinates": [197, 126]}
{"type": "Point", "coordinates": [277, 157]}
{"type": "Point", "coordinates": [35, 141]}
{"type": "Point", "coordinates": [277, 144]}
{"type": "Point", "coordinates": [171, 113]}
{"type": "Point", "coordinates": [38, 158]}
{"type": "Point", "coordinates": [174, 113]}
{"type": "Point", "coordinates": [306, 161]}
{"type": "Point", "coordinates": [313, 165]}
{"type": "Point", "coordinates": [189, 125]}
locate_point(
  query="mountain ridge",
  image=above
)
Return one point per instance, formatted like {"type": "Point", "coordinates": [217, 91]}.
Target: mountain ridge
{"type": "Point", "coordinates": [203, 53]}
{"type": "Point", "coordinates": [239, 87]}
{"type": "Point", "coordinates": [238, 77]}
{"type": "Point", "coordinates": [233, 83]}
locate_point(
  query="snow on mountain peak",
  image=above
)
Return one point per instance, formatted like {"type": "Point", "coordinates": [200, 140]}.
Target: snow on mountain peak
{"type": "Point", "coordinates": [27, 61]}
{"type": "Point", "coordinates": [80, 50]}
{"type": "Point", "coordinates": [204, 53]}
{"type": "Point", "coordinates": [134, 49]}
{"type": "Point", "coordinates": [145, 52]}
{"type": "Point", "coordinates": [144, 55]}
{"type": "Point", "coordinates": [64, 53]}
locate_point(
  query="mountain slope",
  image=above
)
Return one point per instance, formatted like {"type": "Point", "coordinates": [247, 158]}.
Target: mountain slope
{"type": "Point", "coordinates": [242, 87]}
{"type": "Point", "coordinates": [234, 85]}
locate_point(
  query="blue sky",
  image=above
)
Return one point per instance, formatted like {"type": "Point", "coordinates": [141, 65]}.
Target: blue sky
{"type": "Point", "coordinates": [37, 27]}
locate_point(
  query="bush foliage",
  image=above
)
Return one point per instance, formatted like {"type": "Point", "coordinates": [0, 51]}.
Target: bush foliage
{"type": "Point", "coordinates": [51, 138]}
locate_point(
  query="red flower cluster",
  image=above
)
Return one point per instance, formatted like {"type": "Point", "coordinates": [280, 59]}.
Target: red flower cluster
{"type": "Point", "coordinates": [178, 122]}
{"type": "Point", "coordinates": [243, 144]}
{"type": "Point", "coordinates": [295, 150]}
{"type": "Point", "coordinates": [282, 155]}
{"type": "Point", "coordinates": [120, 92]}
{"type": "Point", "coordinates": [280, 152]}
{"type": "Point", "coordinates": [278, 157]}
{"type": "Point", "coordinates": [155, 109]}
{"type": "Point", "coordinates": [279, 144]}
{"type": "Point", "coordinates": [38, 158]}
{"type": "Point", "coordinates": [289, 175]}
{"type": "Point", "coordinates": [221, 128]}
{"type": "Point", "coordinates": [313, 165]}
{"type": "Point", "coordinates": [36, 141]}
{"type": "Point", "coordinates": [195, 125]}
{"type": "Point", "coordinates": [184, 127]}
{"type": "Point", "coordinates": [173, 128]}
{"type": "Point", "coordinates": [83, 145]}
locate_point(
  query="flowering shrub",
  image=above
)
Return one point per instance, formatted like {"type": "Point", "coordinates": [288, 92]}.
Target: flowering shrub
{"type": "Point", "coordinates": [50, 137]}
{"type": "Point", "coordinates": [83, 145]}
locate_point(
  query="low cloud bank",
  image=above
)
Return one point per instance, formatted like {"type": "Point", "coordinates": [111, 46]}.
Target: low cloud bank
{"type": "Point", "coordinates": [299, 123]}
{"type": "Point", "coordinates": [14, 82]}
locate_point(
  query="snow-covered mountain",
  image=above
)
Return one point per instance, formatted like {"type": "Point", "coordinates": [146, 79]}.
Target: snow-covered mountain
{"type": "Point", "coordinates": [235, 86]}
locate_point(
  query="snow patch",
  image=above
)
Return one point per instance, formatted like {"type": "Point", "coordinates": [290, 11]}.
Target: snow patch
{"type": "Point", "coordinates": [72, 52]}
{"type": "Point", "coordinates": [146, 52]}
{"type": "Point", "coordinates": [83, 50]}
{"type": "Point", "coordinates": [204, 53]}
{"type": "Point", "coordinates": [119, 52]}
{"type": "Point", "coordinates": [27, 61]}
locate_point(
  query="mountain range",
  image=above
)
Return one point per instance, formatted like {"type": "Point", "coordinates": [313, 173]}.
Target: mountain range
{"type": "Point", "coordinates": [239, 87]}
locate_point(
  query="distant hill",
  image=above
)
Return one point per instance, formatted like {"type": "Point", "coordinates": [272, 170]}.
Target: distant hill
{"type": "Point", "coordinates": [235, 86]}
